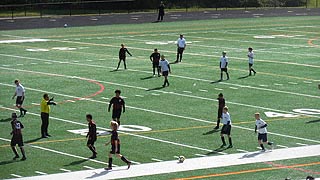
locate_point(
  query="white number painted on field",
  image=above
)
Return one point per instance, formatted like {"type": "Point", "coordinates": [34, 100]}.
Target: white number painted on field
{"type": "Point", "coordinates": [307, 111]}
{"type": "Point", "coordinates": [276, 114]}
{"type": "Point", "coordinates": [134, 128]}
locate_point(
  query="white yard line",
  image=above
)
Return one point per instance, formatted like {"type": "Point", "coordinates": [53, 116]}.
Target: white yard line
{"type": "Point", "coordinates": [65, 170]}
{"type": "Point", "coordinates": [192, 164]}
{"type": "Point", "coordinates": [301, 144]}
{"type": "Point", "coordinates": [15, 175]}
{"type": "Point", "coordinates": [201, 155]}
{"type": "Point", "coordinates": [88, 167]}
{"type": "Point", "coordinates": [155, 159]}
{"type": "Point", "coordinates": [282, 146]}
{"type": "Point", "coordinates": [41, 173]}
{"type": "Point", "coordinates": [241, 150]}
{"type": "Point", "coordinates": [203, 90]}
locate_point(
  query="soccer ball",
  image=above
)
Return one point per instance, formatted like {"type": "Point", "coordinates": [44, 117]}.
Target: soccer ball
{"type": "Point", "coordinates": [181, 159]}
{"type": "Point", "coordinates": [65, 25]}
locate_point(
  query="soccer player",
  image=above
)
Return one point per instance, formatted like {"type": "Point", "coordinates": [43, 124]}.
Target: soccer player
{"type": "Point", "coordinates": [226, 128]}
{"type": "Point", "coordinates": [115, 146]}
{"type": "Point", "coordinates": [118, 106]}
{"type": "Point", "coordinates": [261, 126]}
{"type": "Point", "coordinates": [222, 104]}
{"type": "Point", "coordinates": [165, 70]}
{"type": "Point", "coordinates": [161, 11]}
{"type": "Point", "coordinates": [45, 110]}
{"type": "Point", "coordinates": [251, 56]}
{"type": "Point", "coordinates": [92, 135]}
{"type": "Point", "coordinates": [20, 93]}
{"type": "Point", "coordinates": [155, 58]}
{"type": "Point", "coordinates": [16, 133]}
{"type": "Point", "coordinates": [181, 43]}
{"type": "Point", "coordinates": [224, 65]}
{"type": "Point", "coordinates": [122, 56]}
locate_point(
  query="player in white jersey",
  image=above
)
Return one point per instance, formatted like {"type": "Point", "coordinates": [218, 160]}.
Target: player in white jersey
{"type": "Point", "coordinates": [181, 43]}
{"type": "Point", "coordinates": [261, 126]}
{"type": "Point", "coordinates": [165, 70]}
{"type": "Point", "coordinates": [251, 56]}
{"type": "Point", "coordinates": [226, 128]}
{"type": "Point", "coordinates": [224, 65]}
{"type": "Point", "coordinates": [20, 93]}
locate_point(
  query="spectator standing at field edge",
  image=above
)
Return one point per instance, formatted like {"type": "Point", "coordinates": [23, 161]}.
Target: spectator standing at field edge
{"type": "Point", "coordinates": [161, 11]}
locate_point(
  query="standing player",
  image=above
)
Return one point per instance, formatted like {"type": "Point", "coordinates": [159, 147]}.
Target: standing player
{"type": "Point", "coordinates": [45, 110]}
{"type": "Point", "coordinates": [251, 56]}
{"type": "Point", "coordinates": [155, 58]}
{"type": "Point", "coordinates": [161, 11]}
{"type": "Point", "coordinates": [222, 104]}
{"type": "Point", "coordinates": [115, 146]}
{"type": "Point", "coordinates": [261, 126]}
{"type": "Point", "coordinates": [92, 135]}
{"type": "Point", "coordinates": [118, 104]}
{"type": "Point", "coordinates": [224, 65]}
{"type": "Point", "coordinates": [181, 43]}
{"type": "Point", "coordinates": [226, 128]}
{"type": "Point", "coordinates": [165, 70]}
{"type": "Point", "coordinates": [122, 56]}
{"type": "Point", "coordinates": [16, 133]}
{"type": "Point", "coordinates": [20, 93]}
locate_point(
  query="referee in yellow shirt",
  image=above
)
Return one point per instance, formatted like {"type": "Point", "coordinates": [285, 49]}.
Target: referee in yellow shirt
{"type": "Point", "coordinates": [45, 110]}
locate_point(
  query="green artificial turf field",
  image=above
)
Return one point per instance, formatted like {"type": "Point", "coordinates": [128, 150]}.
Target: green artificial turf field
{"type": "Point", "coordinates": [76, 66]}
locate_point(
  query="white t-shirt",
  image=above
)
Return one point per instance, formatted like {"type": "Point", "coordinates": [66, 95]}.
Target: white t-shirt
{"type": "Point", "coordinates": [226, 118]}
{"type": "Point", "coordinates": [20, 90]}
{"type": "Point", "coordinates": [223, 61]}
{"type": "Point", "coordinates": [181, 43]}
{"type": "Point", "coordinates": [259, 124]}
{"type": "Point", "coordinates": [164, 65]}
{"type": "Point", "coordinates": [251, 56]}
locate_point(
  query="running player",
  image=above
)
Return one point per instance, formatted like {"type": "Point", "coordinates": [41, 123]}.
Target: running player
{"type": "Point", "coordinates": [226, 128]}
{"type": "Point", "coordinates": [251, 56]}
{"type": "Point", "coordinates": [122, 56]}
{"type": "Point", "coordinates": [165, 70]}
{"type": "Point", "coordinates": [181, 43]}
{"type": "Point", "coordinates": [222, 104]}
{"type": "Point", "coordinates": [261, 126]}
{"type": "Point", "coordinates": [16, 133]}
{"type": "Point", "coordinates": [20, 93]}
{"type": "Point", "coordinates": [224, 65]}
{"type": "Point", "coordinates": [155, 58]}
{"type": "Point", "coordinates": [92, 135]}
{"type": "Point", "coordinates": [118, 106]}
{"type": "Point", "coordinates": [115, 146]}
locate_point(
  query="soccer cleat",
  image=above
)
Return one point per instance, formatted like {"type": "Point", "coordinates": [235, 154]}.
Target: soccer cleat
{"type": "Point", "coordinates": [223, 145]}
{"type": "Point", "coordinates": [44, 136]}
{"type": "Point", "coordinates": [163, 85]}
{"type": "Point", "coordinates": [217, 127]}
{"type": "Point", "coordinates": [48, 135]}
{"type": "Point", "coordinates": [254, 73]}
{"type": "Point", "coordinates": [25, 112]}
{"type": "Point", "coordinates": [108, 168]}
{"type": "Point", "coordinates": [23, 158]}
{"type": "Point", "coordinates": [230, 146]}
{"type": "Point", "coordinates": [263, 150]}
{"type": "Point", "coordinates": [93, 156]}
{"type": "Point", "coordinates": [129, 164]}
{"type": "Point", "coordinates": [159, 75]}
{"type": "Point", "coordinates": [16, 157]}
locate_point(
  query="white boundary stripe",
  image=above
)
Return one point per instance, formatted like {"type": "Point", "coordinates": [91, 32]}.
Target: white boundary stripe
{"type": "Point", "coordinates": [65, 170]}
{"type": "Point", "coordinates": [241, 150]}
{"type": "Point", "coordinates": [282, 146]}
{"type": "Point", "coordinates": [158, 160]}
{"type": "Point", "coordinates": [201, 155]}
{"type": "Point", "coordinates": [15, 175]}
{"type": "Point", "coordinates": [135, 162]}
{"type": "Point", "coordinates": [203, 90]}
{"type": "Point", "coordinates": [301, 144]}
{"type": "Point", "coordinates": [88, 167]}
{"type": "Point", "coordinates": [41, 173]}
{"type": "Point", "coordinates": [188, 165]}
{"type": "Point", "coordinates": [137, 95]}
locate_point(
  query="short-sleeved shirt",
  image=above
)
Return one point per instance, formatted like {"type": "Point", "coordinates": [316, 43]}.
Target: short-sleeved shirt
{"type": "Point", "coordinates": [260, 123]}
{"type": "Point", "coordinates": [20, 90]}
{"type": "Point", "coordinates": [45, 108]}
{"type": "Point", "coordinates": [181, 43]}
{"type": "Point", "coordinates": [250, 56]}
{"type": "Point", "coordinates": [164, 64]}
{"type": "Point", "coordinates": [117, 103]}
{"type": "Point", "coordinates": [92, 130]}
{"type": "Point", "coordinates": [226, 118]}
{"type": "Point", "coordinates": [155, 57]}
{"type": "Point", "coordinates": [223, 61]}
{"type": "Point", "coordinates": [114, 137]}
{"type": "Point", "coordinates": [16, 127]}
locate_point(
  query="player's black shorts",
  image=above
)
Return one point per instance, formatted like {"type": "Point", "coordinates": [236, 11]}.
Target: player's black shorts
{"type": "Point", "coordinates": [113, 149]}
{"type": "Point", "coordinates": [180, 50]}
{"type": "Point", "coordinates": [116, 113]}
{"type": "Point", "coordinates": [226, 129]}
{"type": "Point", "coordinates": [17, 139]}
{"type": "Point", "coordinates": [220, 112]}
{"type": "Point", "coordinates": [250, 65]}
{"type": "Point", "coordinates": [165, 73]}
{"type": "Point", "coordinates": [155, 64]}
{"type": "Point", "coordinates": [19, 100]}
{"type": "Point", "coordinates": [91, 141]}
{"type": "Point", "coordinates": [263, 137]}
{"type": "Point", "coordinates": [224, 69]}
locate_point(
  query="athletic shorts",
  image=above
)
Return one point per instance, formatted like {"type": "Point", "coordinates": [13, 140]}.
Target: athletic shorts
{"type": "Point", "coordinates": [165, 73]}
{"type": "Point", "coordinates": [91, 141]}
{"type": "Point", "coordinates": [113, 149]}
{"type": "Point", "coordinates": [220, 113]}
{"type": "Point", "coordinates": [17, 139]}
{"type": "Point", "coordinates": [250, 65]}
{"type": "Point", "coordinates": [180, 50]}
{"type": "Point", "coordinates": [155, 64]}
{"type": "Point", "coordinates": [224, 69]}
{"type": "Point", "coordinates": [263, 137]}
{"type": "Point", "coordinates": [226, 129]}
{"type": "Point", "coordinates": [19, 100]}
{"type": "Point", "coordinates": [116, 113]}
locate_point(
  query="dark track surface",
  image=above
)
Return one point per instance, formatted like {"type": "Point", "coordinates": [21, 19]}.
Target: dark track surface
{"type": "Point", "coordinates": [135, 18]}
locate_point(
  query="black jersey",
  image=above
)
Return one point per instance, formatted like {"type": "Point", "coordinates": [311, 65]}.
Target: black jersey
{"type": "Point", "coordinates": [117, 102]}
{"type": "Point", "coordinates": [114, 137]}
{"type": "Point", "coordinates": [155, 57]}
{"type": "Point", "coordinates": [16, 127]}
{"type": "Point", "coordinates": [122, 52]}
{"type": "Point", "coordinates": [161, 8]}
{"type": "Point", "coordinates": [222, 103]}
{"type": "Point", "coordinates": [92, 130]}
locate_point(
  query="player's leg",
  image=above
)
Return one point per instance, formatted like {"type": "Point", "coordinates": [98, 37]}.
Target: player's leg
{"type": "Point", "coordinates": [229, 137]}
{"type": "Point", "coordinates": [119, 64]}
{"type": "Point", "coordinates": [227, 74]}
{"type": "Point", "coordinates": [250, 69]}
{"type": "Point", "coordinates": [43, 135]}
{"type": "Point", "coordinates": [159, 70]}
{"type": "Point", "coordinates": [181, 52]}
{"type": "Point", "coordinates": [124, 159]}
{"type": "Point", "coordinates": [23, 153]}
{"type": "Point", "coordinates": [13, 147]}
{"type": "Point", "coordinates": [260, 141]}
{"type": "Point", "coordinates": [154, 69]}
{"type": "Point", "coordinates": [124, 63]}
{"type": "Point", "coordinates": [110, 160]}
{"type": "Point", "coordinates": [219, 118]}
{"type": "Point", "coordinates": [46, 125]}
{"type": "Point", "coordinates": [178, 54]}
{"type": "Point", "coordinates": [92, 149]}
{"type": "Point", "coordinates": [221, 74]}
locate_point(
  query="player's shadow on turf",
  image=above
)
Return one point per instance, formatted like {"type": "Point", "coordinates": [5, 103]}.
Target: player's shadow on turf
{"type": "Point", "coordinates": [145, 78]}
{"type": "Point", "coordinates": [77, 162]}
{"type": "Point", "coordinates": [243, 77]}
{"type": "Point", "coordinates": [217, 81]}
{"type": "Point", "coordinates": [5, 120]}
{"type": "Point", "coordinates": [216, 151]}
{"type": "Point", "coordinates": [313, 121]}
{"type": "Point", "coordinates": [211, 132]}
{"type": "Point", "coordinates": [251, 155]}
{"type": "Point", "coordinates": [33, 140]}
{"type": "Point", "coordinates": [156, 88]}
{"type": "Point", "coordinates": [7, 162]}
{"type": "Point", "coordinates": [102, 173]}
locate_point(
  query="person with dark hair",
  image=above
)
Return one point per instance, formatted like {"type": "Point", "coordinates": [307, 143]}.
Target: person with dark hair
{"type": "Point", "coordinates": [16, 133]}
{"type": "Point", "coordinates": [122, 56]}
{"type": "Point", "coordinates": [221, 105]}
{"type": "Point", "coordinates": [45, 110]}
{"type": "Point", "coordinates": [181, 44]}
{"type": "Point", "coordinates": [91, 135]}
{"type": "Point", "coordinates": [155, 58]}
{"type": "Point", "coordinates": [118, 106]}
{"type": "Point", "coordinates": [20, 93]}
{"type": "Point", "coordinates": [161, 11]}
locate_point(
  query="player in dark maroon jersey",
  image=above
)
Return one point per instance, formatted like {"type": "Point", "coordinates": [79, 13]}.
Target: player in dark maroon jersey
{"type": "Point", "coordinates": [221, 105]}
{"type": "Point", "coordinates": [118, 106]}
{"type": "Point", "coordinates": [16, 133]}
{"type": "Point", "coordinates": [155, 58]}
{"type": "Point", "coordinates": [115, 146]}
{"type": "Point", "coordinates": [122, 56]}
{"type": "Point", "coordinates": [92, 135]}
